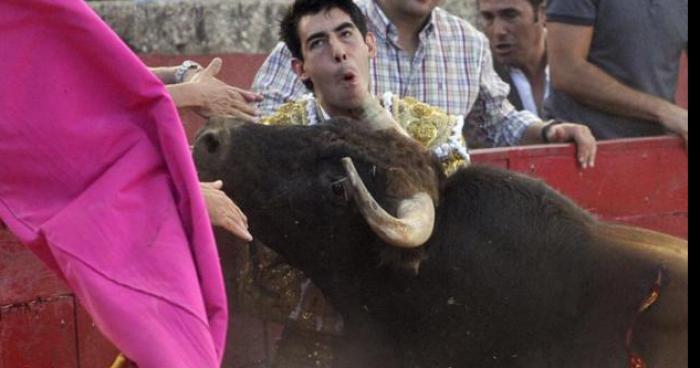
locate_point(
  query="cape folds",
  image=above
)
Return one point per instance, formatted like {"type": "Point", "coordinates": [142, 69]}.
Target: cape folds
{"type": "Point", "coordinates": [97, 179]}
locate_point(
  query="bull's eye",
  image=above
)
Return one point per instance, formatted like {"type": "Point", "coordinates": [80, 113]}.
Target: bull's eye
{"type": "Point", "coordinates": [338, 189]}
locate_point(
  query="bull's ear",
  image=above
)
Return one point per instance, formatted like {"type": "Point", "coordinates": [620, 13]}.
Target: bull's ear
{"type": "Point", "coordinates": [211, 141]}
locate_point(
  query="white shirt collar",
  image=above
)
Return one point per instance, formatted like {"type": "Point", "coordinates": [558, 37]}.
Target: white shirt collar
{"type": "Point", "coordinates": [524, 89]}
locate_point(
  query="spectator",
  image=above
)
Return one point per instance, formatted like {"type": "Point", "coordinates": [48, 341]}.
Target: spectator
{"type": "Point", "coordinates": [516, 30]}
{"type": "Point", "coordinates": [615, 65]}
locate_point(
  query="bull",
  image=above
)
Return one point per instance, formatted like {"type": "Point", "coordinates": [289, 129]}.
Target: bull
{"type": "Point", "coordinates": [486, 268]}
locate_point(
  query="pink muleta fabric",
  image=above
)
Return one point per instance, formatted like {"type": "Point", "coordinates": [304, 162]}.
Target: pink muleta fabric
{"type": "Point", "coordinates": [96, 178]}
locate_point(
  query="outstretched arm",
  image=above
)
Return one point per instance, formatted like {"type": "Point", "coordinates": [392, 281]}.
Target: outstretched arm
{"type": "Point", "coordinates": [207, 95]}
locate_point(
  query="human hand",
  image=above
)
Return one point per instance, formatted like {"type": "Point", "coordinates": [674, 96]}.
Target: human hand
{"type": "Point", "coordinates": [223, 212]}
{"type": "Point", "coordinates": [586, 144]}
{"type": "Point", "coordinates": [675, 119]}
{"type": "Point", "coordinates": [220, 99]}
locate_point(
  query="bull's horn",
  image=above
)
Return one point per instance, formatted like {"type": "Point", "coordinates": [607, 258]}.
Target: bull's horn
{"type": "Point", "coordinates": [415, 219]}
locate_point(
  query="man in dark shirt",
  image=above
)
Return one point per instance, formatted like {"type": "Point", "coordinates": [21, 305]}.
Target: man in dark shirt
{"type": "Point", "coordinates": [517, 33]}
{"type": "Point", "coordinates": [615, 65]}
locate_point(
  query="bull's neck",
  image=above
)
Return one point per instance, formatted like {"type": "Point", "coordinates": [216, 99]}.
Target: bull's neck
{"type": "Point", "coordinates": [329, 110]}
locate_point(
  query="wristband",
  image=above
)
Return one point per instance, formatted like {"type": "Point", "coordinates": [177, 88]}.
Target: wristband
{"type": "Point", "coordinates": [184, 68]}
{"type": "Point", "coordinates": [547, 128]}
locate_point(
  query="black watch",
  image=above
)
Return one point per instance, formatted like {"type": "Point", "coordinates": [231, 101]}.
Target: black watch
{"type": "Point", "coordinates": [547, 127]}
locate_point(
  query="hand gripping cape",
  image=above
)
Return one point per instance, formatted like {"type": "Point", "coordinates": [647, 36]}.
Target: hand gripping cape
{"type": "Point", "coordinates": [97, 179]}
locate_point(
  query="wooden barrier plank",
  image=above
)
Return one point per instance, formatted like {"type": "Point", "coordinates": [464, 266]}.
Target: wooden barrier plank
{"type": "Point", "coordinates": [23, 277]}
{"type": "Point", "coordinates": [95, 350]}
{"type": "Point", "coordinates": [39, 334]}
{"type": "Point", "coordinates": [633, 179]}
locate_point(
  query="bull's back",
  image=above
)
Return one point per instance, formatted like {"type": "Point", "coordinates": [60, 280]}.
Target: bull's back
{"type": "Point", "coordinates": [514, 258]}
{"type": "Point", "coordinates": [533, 273]}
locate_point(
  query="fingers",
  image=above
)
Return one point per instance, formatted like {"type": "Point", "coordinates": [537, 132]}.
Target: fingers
{"type": "Point", "coordinates": [242, 105]}
{"type": "Point", "coordinates": [250, 96]}
{"type": "Point", "coordinates": [223, 212]}
{"type": "Point", "coordinates": [237, 228]}
{"type": "Point", "coordinates": [221, 99]}
{"type": "Point", "coordinates": [230, 106]}
{"type": "Point", "coordinates": [240, 215]}
{"type": "Point", "coordinates": [214, 67]}
{"type": "Point", "coordinates": [230, 112]}
{"type": "Point", "coordinates": [587, 155]}
{"type": "Point", "coordinates": [237, 223]}
{"type": "Point", "coordinates": [586, 145]}
{"type": "Point", "coordinates": [212, 185]}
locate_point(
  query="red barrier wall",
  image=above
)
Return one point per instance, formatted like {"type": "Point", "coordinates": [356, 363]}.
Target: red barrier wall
{"type": "Point", "coordinates": [641, 182]}
{"type": "Point", "coordinates": [682, 94]}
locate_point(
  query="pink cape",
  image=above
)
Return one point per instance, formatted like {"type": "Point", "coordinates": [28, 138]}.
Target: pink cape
{"type": "Point", "coordinates": [97, 179]}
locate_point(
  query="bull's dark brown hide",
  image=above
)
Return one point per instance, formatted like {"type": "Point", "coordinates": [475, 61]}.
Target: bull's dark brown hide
{"type": "Point", "coordinates": [515, 274]}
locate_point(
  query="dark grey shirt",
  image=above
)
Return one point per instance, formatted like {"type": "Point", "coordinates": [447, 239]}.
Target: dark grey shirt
{"type": "Point", "coordinates": [638, 42]}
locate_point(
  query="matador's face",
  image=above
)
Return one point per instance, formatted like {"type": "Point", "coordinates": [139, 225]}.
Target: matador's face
{"type": "Point", "coordinates": [336, 58]}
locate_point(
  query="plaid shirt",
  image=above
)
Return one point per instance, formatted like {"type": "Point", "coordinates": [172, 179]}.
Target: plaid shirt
{"type": "Point", "coordinates": [452, 69]}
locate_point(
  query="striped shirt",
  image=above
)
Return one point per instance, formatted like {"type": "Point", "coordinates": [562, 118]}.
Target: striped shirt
{"type": "Point", "coordinates": [452, 69]}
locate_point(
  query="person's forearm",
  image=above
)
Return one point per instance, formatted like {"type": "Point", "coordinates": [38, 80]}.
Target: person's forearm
{"type": "Point", "coordinates": [533, 134]}
{"type": "Point", "coordinates": [592, 86]}
{"type": "Point", "coordinates": [165, 74]}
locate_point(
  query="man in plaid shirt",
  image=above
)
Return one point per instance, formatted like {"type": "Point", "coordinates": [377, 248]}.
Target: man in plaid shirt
{"type": "Point", "coordinates": [426, 53]}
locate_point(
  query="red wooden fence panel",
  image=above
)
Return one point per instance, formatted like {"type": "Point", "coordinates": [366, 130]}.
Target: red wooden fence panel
{"type": "Point", "coordinates": [39, 333]}
{"type": "Point", "coordinates": [641, 182]}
